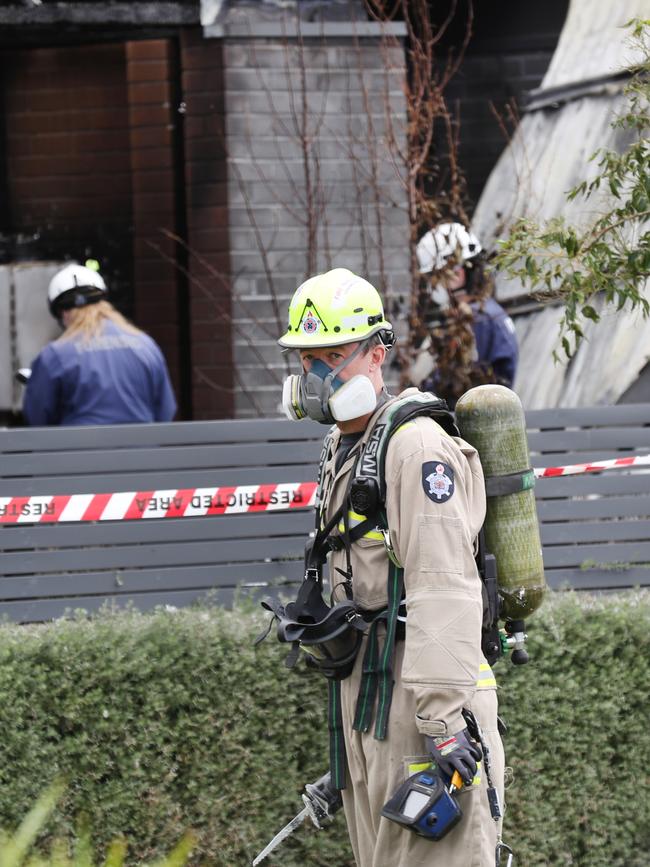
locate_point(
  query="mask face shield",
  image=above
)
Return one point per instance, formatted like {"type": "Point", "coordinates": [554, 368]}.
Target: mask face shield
{"type": "Point", "coordinates": [321, 395]}
{"type": "Point", "coordinates": [329, 636]}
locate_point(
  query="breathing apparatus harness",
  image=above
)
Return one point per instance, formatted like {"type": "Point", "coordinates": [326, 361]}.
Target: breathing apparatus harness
{"type": "Point", "coordinates": [331, 634]}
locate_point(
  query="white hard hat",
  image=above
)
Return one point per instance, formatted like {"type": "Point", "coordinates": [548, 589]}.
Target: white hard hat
{"type": "Point", "coordinates": [446, 241]}
{"type": "Point", "coordinates": [74, 286]}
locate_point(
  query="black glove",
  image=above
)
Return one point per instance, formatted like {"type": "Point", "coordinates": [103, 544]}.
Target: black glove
{"type": "Point", "coordinates": [456, 753]}
{"type": "Point", "coordinates": [322, 800]}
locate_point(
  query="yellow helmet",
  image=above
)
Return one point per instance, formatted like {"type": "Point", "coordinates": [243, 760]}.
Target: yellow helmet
{"type": "Point", "coordinates": [333, 308]}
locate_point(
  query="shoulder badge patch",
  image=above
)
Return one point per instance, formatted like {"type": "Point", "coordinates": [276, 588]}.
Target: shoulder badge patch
{"type": "Point", "coordinates": [438, 481]}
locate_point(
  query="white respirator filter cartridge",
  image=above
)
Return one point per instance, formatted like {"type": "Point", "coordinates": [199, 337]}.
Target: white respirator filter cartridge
{"type": "Point", "coordinates": [291, 398]}
{"type": "Point", "coordinates": [353, 399]}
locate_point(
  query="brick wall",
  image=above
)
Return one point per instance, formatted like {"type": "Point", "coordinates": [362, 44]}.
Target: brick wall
{"type": "Point", "coordinates": [275, 183]}
{"type": "Point", "coordinates": [67, 153]}
{"type": "Point", "coordinates": [90, 168]}
{"type": "Point", "coordinates": [209, 285]}
{"type": "Point", "coordinates": [153, 113]}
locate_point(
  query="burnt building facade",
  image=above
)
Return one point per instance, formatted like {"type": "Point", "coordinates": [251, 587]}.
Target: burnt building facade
{"type": "Point", "coordinates": [211, 155]}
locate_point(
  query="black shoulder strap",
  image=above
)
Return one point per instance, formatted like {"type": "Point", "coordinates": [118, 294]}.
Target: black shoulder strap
{"type": "Point", "coordinates": [366, 492]}
{"type": "Point", "coordinates": [316, 546]}
{"type": "Point", "coordinates": [324, 455]}
{"type": "Point", "coordinates": [371, 463]}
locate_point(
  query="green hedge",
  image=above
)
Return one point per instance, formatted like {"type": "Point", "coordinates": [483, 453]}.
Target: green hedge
{"type": "Point", "coordinates": [165, 722]}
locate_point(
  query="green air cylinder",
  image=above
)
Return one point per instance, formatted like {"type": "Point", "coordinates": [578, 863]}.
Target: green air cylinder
{"type": "Point", "coordinates": [491, 418]}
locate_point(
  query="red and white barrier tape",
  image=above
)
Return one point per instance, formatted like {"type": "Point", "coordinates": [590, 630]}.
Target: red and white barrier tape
{"type": "Point", "coordinates": [574, 469]}
{"type": "Point", "coordinates": [131, 505]}
{"type": "Point", "coordinates": [198, 502]}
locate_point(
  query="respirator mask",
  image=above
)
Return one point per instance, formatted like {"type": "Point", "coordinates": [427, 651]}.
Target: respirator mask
{"type": "Point", "coordinates": [439, 294]}
{"type": "Point", "coordinates": [323, 396]}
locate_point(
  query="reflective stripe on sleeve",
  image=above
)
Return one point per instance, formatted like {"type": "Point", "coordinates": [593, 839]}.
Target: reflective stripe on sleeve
{"type": "Point", "coordinates": [486, 678]}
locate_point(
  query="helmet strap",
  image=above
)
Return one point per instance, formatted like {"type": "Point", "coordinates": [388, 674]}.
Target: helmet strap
{"type": "Point", "coordinates": [78, 296]}
{"type": "Point", "coordinates": [335, 372]}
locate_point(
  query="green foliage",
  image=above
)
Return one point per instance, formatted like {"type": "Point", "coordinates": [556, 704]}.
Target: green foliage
{"type": "Point", "coordinates": [579, 735]}
{"type": "Point", "coordinates": [14, 848]}
{"type": "Point", "coordinates": [609, 257]}
{"type": "Point", "coordinates": [170, 722]}
{"type": "Point", "coordinates": [160, 724]}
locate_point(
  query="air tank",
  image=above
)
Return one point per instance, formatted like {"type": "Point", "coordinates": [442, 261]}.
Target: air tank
{"type": "Point", "coordinates": [491, 418]}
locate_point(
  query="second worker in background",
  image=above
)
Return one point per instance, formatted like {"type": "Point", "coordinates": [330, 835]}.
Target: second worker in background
{"type": "Point", "coordinates": [102, 370]}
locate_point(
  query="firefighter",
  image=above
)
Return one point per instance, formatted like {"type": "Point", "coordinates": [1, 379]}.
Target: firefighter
{"type": "Point", "coordinates": [102, 370]}
{"type": "Point", "coordinates": [413, 581]}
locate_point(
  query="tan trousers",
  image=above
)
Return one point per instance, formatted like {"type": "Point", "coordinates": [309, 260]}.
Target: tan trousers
{"type": "Point", "coordinates": [377, 768]}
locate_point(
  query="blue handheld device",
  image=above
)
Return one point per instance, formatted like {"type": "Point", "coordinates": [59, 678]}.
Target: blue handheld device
{"type": "Point", "coordinates": [424, 805]}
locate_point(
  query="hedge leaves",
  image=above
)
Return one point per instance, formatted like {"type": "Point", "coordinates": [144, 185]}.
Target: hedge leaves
{"type": "Point", "coordinates": [172, 722]}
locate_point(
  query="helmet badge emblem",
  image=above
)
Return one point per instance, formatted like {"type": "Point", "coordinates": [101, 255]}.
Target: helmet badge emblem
{"type": "Point", "coordinates": [310, 324]}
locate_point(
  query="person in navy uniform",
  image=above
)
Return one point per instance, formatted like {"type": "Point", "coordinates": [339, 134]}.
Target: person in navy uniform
{"type": "Point", "coordinates": [450, 258]}
{"type": "Point", "coordinates": [102, 370]}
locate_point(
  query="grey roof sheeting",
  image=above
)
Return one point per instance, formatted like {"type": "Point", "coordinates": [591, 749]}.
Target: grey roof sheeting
{"type": "Point", "coordinates": [568, 119]}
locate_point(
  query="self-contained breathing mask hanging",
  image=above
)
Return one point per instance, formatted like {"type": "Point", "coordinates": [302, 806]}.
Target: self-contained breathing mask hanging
{"type": "Point", "coordinates": [330, 634]}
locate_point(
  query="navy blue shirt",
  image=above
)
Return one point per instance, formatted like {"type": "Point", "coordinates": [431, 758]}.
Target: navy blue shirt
{"type": "Point", "coordinates": [116, 377]}
{"type": "Point", "coordinates": [496, 343]}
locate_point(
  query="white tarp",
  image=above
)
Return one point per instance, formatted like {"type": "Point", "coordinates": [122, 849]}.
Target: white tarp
{"type": "Point", "coordinates": [25, 322]}
{"type": "Point", "coordinates": [549, 154]}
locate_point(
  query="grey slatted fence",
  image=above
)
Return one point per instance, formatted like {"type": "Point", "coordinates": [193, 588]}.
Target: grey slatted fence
{"type": "Point", "coordinates": [595, 528]}
{"type": "Point", "coordinates": [46, 569]}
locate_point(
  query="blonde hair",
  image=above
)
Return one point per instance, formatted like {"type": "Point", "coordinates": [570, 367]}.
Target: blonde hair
{"type": "Point", "coordinates": [87, 322]}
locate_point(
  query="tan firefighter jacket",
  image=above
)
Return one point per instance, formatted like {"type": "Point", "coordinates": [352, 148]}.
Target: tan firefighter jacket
{"type": "Point", "coordinates": [435, 506]}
